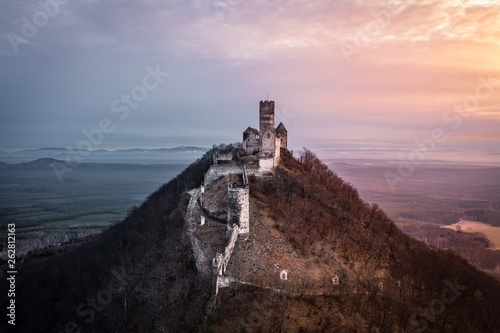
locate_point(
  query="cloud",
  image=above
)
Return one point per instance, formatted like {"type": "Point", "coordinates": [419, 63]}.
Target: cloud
{"type": "Point", "coordinates": [412, 61]}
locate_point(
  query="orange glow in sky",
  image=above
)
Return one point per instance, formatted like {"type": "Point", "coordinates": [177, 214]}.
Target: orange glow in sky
{"type": "Point", "coordinates": [360, 72]}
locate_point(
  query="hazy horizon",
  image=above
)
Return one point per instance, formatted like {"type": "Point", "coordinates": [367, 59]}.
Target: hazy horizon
{"type": "Point", "coordinates": [329, 154]}
{"type": "Point", "coordinates": [153, 73]}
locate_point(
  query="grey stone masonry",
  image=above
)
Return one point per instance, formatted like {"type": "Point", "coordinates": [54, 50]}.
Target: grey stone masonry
{"type": "Point", "coordinates": [217, 171]}
{"type": "Point", "coordinates": [282, 134]}
{"type": "Point", "coordinates": [238, 202]}
{"type": "Point", "coordinates": [266, 142]}
{"type": "Point", "coordinates": [267, 130]}
{"type": "Point", "coordinates": [222, 259]}
{"type": "Point", "coordinates": [251, 141]}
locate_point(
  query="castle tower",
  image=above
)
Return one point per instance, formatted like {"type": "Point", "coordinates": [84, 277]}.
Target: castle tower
{"type": "Point", "coordinates": [266, 127]}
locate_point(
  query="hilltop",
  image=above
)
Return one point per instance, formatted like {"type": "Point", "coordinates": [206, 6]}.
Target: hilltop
{"type": "Point", "coordinates": [308, 222]}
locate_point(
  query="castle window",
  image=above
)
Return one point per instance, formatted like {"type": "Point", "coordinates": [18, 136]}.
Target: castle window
{"type": "Point", "coordinates": [268, 135]}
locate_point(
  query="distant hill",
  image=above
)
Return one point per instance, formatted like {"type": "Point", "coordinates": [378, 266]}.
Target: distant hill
{"type": "Point", "coordinates": [138, 156]}
{"type": "Point", "coordinates": [42, 163]}
{"type": "Point", "coordinates": [49, 163]}
{"type": "Point", "coordinates": [141, 274]}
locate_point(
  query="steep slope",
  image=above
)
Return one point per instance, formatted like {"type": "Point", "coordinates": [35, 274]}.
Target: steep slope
{"type": "Point", "coordinates": [314, 225]}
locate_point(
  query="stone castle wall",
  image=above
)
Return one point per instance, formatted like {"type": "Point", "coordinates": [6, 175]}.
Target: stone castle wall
{"type": "Point", "coordinates": [282, 140]}
{"type": "Point", "coordinates": [217, 171]}
{"type": "Point", "coordinates": [251, 141]}
{"type": "Point", "coordinates": [238, 210]}
{"type": "Point", "coordinates": [251, 146]}
{"type": "Point", "coordinates": [222, 259]}
{"type": "Point", "coordinates": [282, 133]}
{"type": "Point", "coordinates": [268, 141]}
{"type": "Point", "coordinates": [238, 215]}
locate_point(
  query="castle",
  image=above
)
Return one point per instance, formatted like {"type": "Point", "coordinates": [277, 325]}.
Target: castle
{"type": "Point", "coordinates": [259, 151]}
{"type": "Point", "coordinates": [258, 154]}
{"type": "Point", "coordinates": [268, 140]}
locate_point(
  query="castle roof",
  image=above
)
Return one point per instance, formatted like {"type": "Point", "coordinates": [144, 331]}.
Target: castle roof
{"type": "Point", "coordinates": [251, 130]}
{"type": "Point", "coordinates": [281, 128]}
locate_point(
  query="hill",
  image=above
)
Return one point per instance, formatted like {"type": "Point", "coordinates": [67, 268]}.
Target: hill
{"type": "Point", "coordinates": [141, 275]}
{"type": "Point", "coordinates": [314, 225]}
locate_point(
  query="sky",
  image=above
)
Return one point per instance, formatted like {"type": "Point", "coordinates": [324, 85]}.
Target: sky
{"type": "Point", "coordinates": [355, 74]}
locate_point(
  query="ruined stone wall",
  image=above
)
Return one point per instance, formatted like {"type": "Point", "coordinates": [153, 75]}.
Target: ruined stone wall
{"type": "Point", "coordinates": [222, 282]}
{"type": "Point", "coordinates": [251, 146]}
{"type": "Point", "coordinates": [222, 259]}
{"type": "Point", "coordinates": [238, 202]}
{"type": "Point", "coordinates": [238, 210]}
{"type": "Point", "coordinates": [251, 142]}
{"type": "Point", "coordinates": [217, 171]}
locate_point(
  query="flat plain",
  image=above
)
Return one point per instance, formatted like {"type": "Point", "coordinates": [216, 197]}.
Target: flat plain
{"type": "Point", "coordinates": [88, 200]}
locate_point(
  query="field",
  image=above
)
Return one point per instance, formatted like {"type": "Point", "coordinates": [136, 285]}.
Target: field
{"type": "Point", "coordinates": [90, 199]}
{"type": "Point", "coordinates": [493, 234]}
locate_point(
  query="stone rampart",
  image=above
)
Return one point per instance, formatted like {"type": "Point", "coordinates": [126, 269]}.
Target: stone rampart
{"type": "Point", "coordinates": [222, 259]}
{"type": "Point", "coordinates": [238, 202]}
{"type": "Point", "coordinates": [217, 171]}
